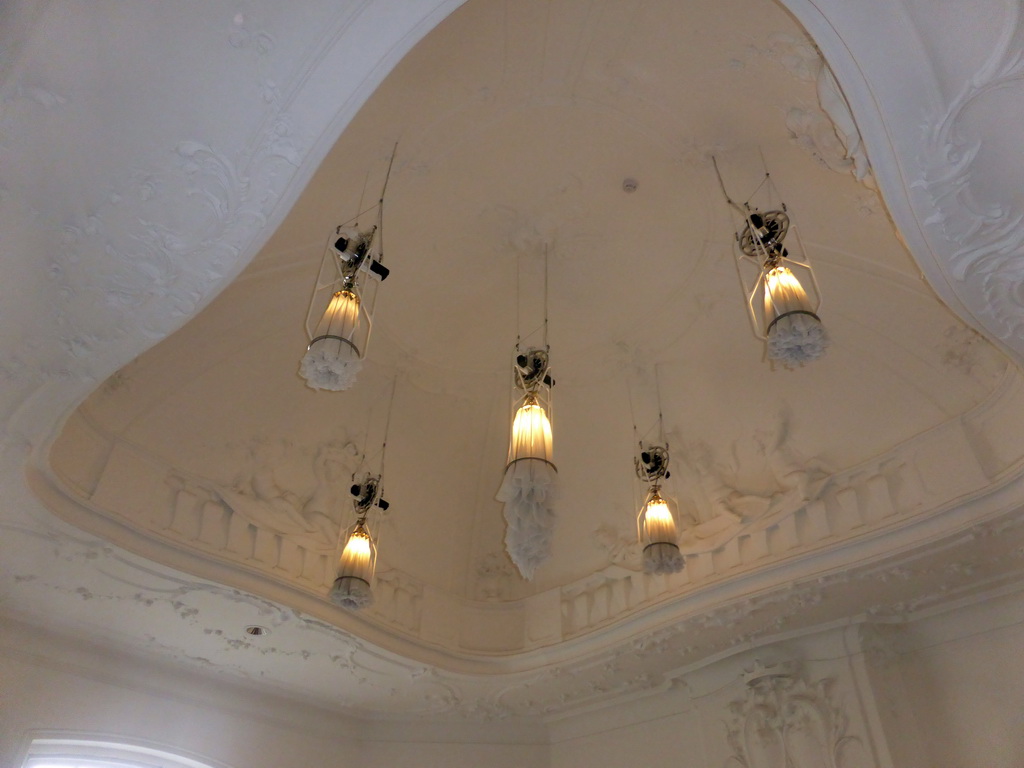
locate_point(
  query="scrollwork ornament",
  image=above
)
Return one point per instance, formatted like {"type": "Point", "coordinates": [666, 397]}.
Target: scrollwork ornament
{"type": "Point", "coordinates": [987, 237]}
{"type": "Point", "coordinates": [784, 722]}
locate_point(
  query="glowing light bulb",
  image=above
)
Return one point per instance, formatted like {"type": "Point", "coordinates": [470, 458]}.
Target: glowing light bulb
{"type": "Point", "coordinates": [661, 553]}
{"type": "Point", "coordinates": [356, 559]}
{"type": "Point", "coordinates": [352, 587]}
{"type": "Point", "coordinates": [783, 293]}
{"type": "Point", "coordinates": [341, 318]}
{"type": "Point", "coordinates": [659, 525]}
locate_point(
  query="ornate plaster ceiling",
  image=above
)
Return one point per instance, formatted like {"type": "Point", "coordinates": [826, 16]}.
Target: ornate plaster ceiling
{"type": "Point", "coordinates": [513, 143]}
{"type": "Point", "coordinates": [517, 124]}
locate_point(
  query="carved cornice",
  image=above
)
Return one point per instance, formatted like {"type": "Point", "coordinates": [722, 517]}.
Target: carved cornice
{"type": "Point", "coordinates": [878, 509]}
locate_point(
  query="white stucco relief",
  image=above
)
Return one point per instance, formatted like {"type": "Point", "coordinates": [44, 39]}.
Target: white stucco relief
{"type": "Point", "coordinates": [284, 534]}
{"type": "Point", "coordinates": [256, 518]}
{"type": "Point", "coordinates": [300, 644]}
{"type": "Point", "coordinates": [981, 225]}
{"type": "Point", "coordinates": [786, 722]}
{"type": "Point", "coordinates": [826, 130]}
{"type": "Point", "coordinates": [945, 173]}
{"type": "Point", "coordinates": [237, 191]}
{"type": "Point", "coordinates": [296, 158]}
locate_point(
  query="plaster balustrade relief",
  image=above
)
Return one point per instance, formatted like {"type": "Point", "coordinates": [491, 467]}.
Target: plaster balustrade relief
{"type": "Point", "coordinates": [288, 537]}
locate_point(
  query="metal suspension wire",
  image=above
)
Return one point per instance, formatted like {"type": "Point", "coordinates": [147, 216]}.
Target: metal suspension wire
{"type": "Point", "coordinates": [355, 219]}
{"type": "Point", "coordinates": [380, 204]}
{"type": "Point", "coordinates": [387, 423]}
{"type": "Point", "coordinates": [546, 345]}
{"type": "Point", "coordinates": [542, 327]}
{"type": "Point", "coordinates": [721, 183]}
{"type": "Point", "coordinates": [757, 189]}
{"type": "Point", "coordinates": [743, 208]}
{"type": "Point", "coordinates": [632, 413]}
{"type": "Point", "coordinates": [661, 417]}
{"type": "Point", "coordinates": [366, 440]}
{"type": "Point", "coordinates": [519, 299]}
{"type": "Point", "coordinates": [362, 196]}
{"type": "Point", "coordinates": [636, 431]}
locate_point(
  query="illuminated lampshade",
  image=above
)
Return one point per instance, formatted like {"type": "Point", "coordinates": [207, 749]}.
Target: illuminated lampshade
{"type": "Point", "coordinates": [341, 319]}
{"type": "Point", "coordinates": [658, 536]}
{"type": "Point", "coordinates": [528, 488]}
{"type": "Point", "coordinates": [332, 359]}
{"type": "Point", "coordinates": [795, 333]}
{"type": "Point", "coordinates": [531, 432]}
{"type": "Point", "coordinates": [355, 571]}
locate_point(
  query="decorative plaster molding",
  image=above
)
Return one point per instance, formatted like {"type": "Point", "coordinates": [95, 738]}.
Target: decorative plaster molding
{"type": "Point", "coordinates": [854, 158]}
{"type": "Point", "coordinates": [985, 236]}
{"type": "Point", "coordinates": [828, 130]}
{"type": "Point", "coordinates": [786, 722]}
{"type": "Point", "coordinates": [253, 519]}
{"type": "Point", "coordinates": [282, 537]}
{"type": "Point", "coordinates": [592, 677]}
{"type": "Point", "coordinates": [494, 575]}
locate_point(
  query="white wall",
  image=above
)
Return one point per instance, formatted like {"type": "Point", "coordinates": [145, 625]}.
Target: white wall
{"type": "Point", "coordinates": [50, 683]}
{"type": "Point", "coordinates": [941, 692]}
{"type": "Point", "coordinates": [671, 740]}
{"type": "Point", "coordinates": [449, 755]}
{"type": "Point", "coordinates": [964, 677]}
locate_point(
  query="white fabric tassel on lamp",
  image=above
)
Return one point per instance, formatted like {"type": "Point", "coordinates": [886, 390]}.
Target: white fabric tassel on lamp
{"type": "Point", "coordinates": [528, 489]}
{"type": "Point", "coordinates": [795, 334]}
{"type": "Point", "coordinates": [332, 360]}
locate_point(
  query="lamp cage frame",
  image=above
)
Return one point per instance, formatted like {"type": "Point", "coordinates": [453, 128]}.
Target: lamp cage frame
{"type": "Point", "coordinates": [531, 380]}
{"type": "Point", "coordinates": [336, 274]}
{"type": "Point", "coordinates": [756, 258]}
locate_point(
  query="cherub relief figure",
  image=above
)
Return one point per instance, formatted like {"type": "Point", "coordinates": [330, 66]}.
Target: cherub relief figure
{"type": "Point", "coordinates": [311, 520]}
{"type": "Point", "coordinates": [720, 508]}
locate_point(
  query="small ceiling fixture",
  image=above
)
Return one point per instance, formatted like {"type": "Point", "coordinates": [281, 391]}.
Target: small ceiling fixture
{"type": "Point", "coordinates": [783, 307]}
{"type": "Point", "coordinates": [340, 315]}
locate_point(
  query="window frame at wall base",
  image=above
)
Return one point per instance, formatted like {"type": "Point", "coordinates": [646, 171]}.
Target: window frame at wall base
{"type": "Point", "coordinates": [103, 751]}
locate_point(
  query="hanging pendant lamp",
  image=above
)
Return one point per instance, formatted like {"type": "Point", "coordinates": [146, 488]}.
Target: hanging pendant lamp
{"type": "Point", "coordinates": [353, 587]}
{"type": "Point", "coordinates": [347, 285]}
{"type": "Point", "coordinates": [778, 282]}
{"type": "Point", "coordinates": [656, 524]}
{"type": "Point", "coordinates": [528, 488]}
{"type": "Point", "coordinates": [340, 315]}
{"type": "Point", "coordinates": [783, 312]}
